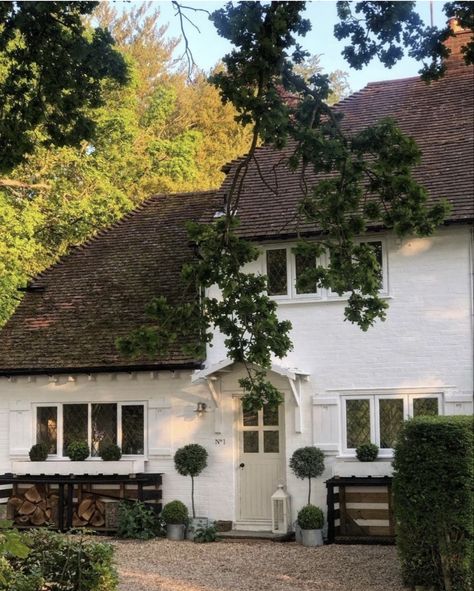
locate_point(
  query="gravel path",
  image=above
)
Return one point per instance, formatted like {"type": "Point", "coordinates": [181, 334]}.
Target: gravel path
{"type": "Point", "coordinates": [160, 565]}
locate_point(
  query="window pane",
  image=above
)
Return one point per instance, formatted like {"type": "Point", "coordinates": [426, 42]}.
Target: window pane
{"type": "Point", "coordinates": [104, 426]}
{"type": "Point", "coordinates": [47, 427]}
{"type": "Point", "coordinates": [391, 419]}
{"type": "Point", "coordinates": [376, 246]}
{"type": "Point", "coordinates": [250, 442]}
{"type": "Point", "coordinates": [302, 263]}
{"type": "Point", "coordinates": [133, 427]}
{"type": "Point", "coordinates": [357, 422]}
{"type": "Point", "coordinates": [276, 272]}
{"type": "Point", "coordinates": [271, 442]}
{"type": "Point", "coordinates": [270, 415]}
{"type": "Point", "coordinates": [74, 424]}
{"type": "Point", "coordinates": [427, 407]}
{"type": "Point", "coordinates": [250, 419]}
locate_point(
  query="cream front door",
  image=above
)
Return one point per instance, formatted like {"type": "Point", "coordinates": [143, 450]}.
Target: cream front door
{"type": "Point", "coordinates": [260, 467]}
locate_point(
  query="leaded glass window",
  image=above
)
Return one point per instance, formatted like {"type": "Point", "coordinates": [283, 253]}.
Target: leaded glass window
{"type": "Point", "coordinates": [391, 415]}
{"type": "Point", "coordinates": [250, 439]}
{"type": "Point", "coordinates": [75, 421]}
{"type": "Point", "coordinates": [357, 422]}
{"type": "Point", "coordinates": [103, 427]}
{"type": "Point", "coordinates": [302, 263]}
{"type": "Point", "coordinates": [133, 427]}
{"type": "Point", "coordinates": [271, 442]}
{"type": "Point", "coordinates": [47, 427]}
{"type": "Point", "coordinates": [427, 407]}
{"type": "Point", "coordinates": [277, 273]}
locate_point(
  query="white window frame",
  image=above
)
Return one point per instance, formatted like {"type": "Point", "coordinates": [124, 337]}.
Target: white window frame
{"type": "Point", "coordinates": [291, 293]}
{"type": "Point", "coordinates": [60, 424]}
{"type": "Point", "coordinates": [374, 399]}
{"type": "Point", "coordinates": [384, 290]}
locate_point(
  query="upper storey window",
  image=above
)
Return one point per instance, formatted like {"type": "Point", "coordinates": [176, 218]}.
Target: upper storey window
{"type": "Point", "coordinates": [283, 268]}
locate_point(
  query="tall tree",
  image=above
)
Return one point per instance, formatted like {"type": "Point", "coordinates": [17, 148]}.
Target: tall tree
{"type": "Point", "coordinates": [258, 79]}
{"type": "Point", "coordinates": [51, 73]}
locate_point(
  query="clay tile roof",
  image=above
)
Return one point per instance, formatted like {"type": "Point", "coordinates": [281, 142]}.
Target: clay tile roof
{"type": "Point", "coordinates": [439, 116]}
{"type": "Point", "coordinates": [75, 310]}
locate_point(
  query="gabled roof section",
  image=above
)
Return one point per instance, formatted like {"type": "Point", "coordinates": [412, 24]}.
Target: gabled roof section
{"type": "Point", "coordinates": [71, 318]}
{"type": "Point", "coordinates": [439, 116]}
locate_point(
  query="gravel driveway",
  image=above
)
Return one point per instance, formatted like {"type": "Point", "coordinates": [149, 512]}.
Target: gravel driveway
{"type": "Point", "coordinates": [160, 565]}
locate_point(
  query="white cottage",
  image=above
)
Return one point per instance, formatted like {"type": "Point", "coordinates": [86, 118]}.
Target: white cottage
{"type": "Point", "coordinates": [62, 378]}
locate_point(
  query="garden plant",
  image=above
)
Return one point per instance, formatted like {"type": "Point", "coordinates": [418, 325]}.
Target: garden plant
{"type": "Point", "coordinates": [307, 462]}
{"type": "Point", "coordinates": [191, 460]}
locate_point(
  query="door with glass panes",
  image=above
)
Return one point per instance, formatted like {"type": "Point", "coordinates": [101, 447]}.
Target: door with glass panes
{"type": "Point", "coordinates": [260, 464]}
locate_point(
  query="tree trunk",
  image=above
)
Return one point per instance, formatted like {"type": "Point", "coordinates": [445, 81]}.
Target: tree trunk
{"type": "Point", "coordinates": [309, 491]}
{"type": "Point", "coordinates": [192, 496]}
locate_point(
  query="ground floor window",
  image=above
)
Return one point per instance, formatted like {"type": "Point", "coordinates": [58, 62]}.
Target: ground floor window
{"type": "Point", "coordinates": [378, 418]}
{"type": "Point", "coordinates": [100, 424]}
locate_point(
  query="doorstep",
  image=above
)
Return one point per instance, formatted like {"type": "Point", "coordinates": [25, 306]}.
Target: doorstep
{"type": "Point", "coordinates": [239, 534]}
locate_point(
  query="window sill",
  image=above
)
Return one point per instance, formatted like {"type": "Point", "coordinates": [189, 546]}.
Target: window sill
{"type": "Point", "coordinates": [90, 466]}
{"type": "Point", "coordinates": [327, 300]}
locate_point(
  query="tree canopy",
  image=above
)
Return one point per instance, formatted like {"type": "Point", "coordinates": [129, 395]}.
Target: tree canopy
{"type": "Point", "coordinates": [51, 72]}
{"type": "Point", "coordinates": [363, 177]}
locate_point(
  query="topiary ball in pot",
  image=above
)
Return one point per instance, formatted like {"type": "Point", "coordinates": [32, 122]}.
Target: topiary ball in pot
{"type": "Point", "coordinates": [39, 452]}
{"type": "Point", "coordinates": [367, 452]}
{"type": "Point", "coordinates": [310, 517]}
{"type": "Point", "coordinates": [78, 451]}
{"type": "Point", "coordinates": [111, 453]}
{"type": "Point", "coordinates": [175, 512]}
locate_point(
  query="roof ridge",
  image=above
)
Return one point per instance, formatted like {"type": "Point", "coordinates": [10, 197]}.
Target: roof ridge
{"type": "Point", "coordinates": [129, 214]}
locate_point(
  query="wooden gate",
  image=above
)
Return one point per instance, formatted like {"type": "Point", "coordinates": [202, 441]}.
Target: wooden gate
{"type": "Point", "coordinates": [360, 510]}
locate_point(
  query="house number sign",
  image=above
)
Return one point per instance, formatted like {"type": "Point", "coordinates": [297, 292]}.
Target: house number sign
{"type": "Point", "coordinates": [219, 441]}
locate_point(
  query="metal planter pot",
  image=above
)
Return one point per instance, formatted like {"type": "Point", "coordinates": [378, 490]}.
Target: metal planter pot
{"type": "Point", "coordinates": [312, 537]}
{"type": "Point", "coordinates": [194, 524]}
{"type": "Point", "coordinates": [175, 531]}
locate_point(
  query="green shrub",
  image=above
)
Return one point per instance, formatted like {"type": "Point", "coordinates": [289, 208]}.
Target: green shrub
{"type": "Point", "coordinates": [78, 451]}
{"type": "Point", "coordinates": [310, 517]}
{"type": "Point", "coordinates": [307, 462]}
{"type": "Point", "coordinates": [136, 520]}
{"type": "Point", "coordinates": [433, 498]}
{"type": "Point", "coordinates": [191, 460]}
{"type": "Point", "coordinates": [63, 563]}
{"type": "Point", "coordinates": [367, 452]}
{"type": "Point", "coordinates": [39, 452]}
{"type": "Point", "coordinates": [111, 453]}
{"type": "Point", "coordinates": [175, 512]}
{"type": "Point", "coordinates": [205, 535]}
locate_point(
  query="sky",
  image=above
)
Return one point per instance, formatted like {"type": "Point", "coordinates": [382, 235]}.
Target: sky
{"type": "Point", "coordinates": [208, 47]}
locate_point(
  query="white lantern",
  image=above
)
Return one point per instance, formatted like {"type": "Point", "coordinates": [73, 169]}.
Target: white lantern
{"type": "Point", "coordinates": [280, 511]}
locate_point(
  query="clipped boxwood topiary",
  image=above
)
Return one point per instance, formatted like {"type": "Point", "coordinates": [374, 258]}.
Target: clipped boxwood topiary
{"type": "Point", "coordinates": [307, 462]}
{"type": "Point", "coordinates": [111, 453]}
{"type": "Point", "coordinates": [39, 452]}
{"type": "Point", "coordinates": [78, 451]}
{"type": "Point", "coordinates": [191, 460]}
{"type": "Point", "coordinates": [367, 452]}
{"type": "Point", "coordinates": [433, 486]}
{"type": "Point", "coordinates": [310, 517]}
{"type": "Point", "coordinates": [175, 512]}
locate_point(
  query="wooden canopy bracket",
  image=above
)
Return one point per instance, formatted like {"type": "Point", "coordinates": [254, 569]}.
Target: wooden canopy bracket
{"type": "Point", "coordinates": [295, 385]}
{"type": "Point", "coordinates": [214, 386]}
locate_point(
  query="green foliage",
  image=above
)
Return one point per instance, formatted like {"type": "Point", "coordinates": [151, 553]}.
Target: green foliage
{"type": "Point", "coordinates": [190, 460]}
{"type": "Point", "coordinates": [48, 99]}
{"type": "Point", "coordinates": [111, 453]}
{"type": "Point", "coordinates": [395, 29]}
{"type": "Point", "coordinates": [175, 512]}
{"type": "Point", "coordinates": [310, 517]}
{"type": "Point", "coordinates": [204, 535]}
{"type": "Point", "coordinates": [363, 177]}
{"type": "Point", "coordinates": [367, 452]}
{"type": "Point", "coordinates": [137, 521]}
{"type": "Point", "coordinates": [307, 462]}
{"type": "Point", "coordinates": [11, 545]}
{"type": "Point", "coordinates": [78, 451]}
{"type": "Point", "coordinates": [39, 452]}
{"type": "Point", "coordinates": [434, 502]}
{"type": "Point", "coordinates": [62, 563]}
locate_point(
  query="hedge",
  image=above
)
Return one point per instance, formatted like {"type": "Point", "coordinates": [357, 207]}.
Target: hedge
{"type": "Point", "coordinates": [433, 501]}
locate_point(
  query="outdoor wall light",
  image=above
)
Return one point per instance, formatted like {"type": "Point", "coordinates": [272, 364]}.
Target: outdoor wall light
{"type": "Point", "coordinates": [200, 408]}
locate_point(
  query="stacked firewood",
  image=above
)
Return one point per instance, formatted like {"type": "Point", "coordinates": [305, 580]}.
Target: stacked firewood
{"type": "Point", "coordinates": [89, 512]}
{"type": "Point", "coordinates": [34, 507]}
